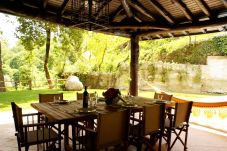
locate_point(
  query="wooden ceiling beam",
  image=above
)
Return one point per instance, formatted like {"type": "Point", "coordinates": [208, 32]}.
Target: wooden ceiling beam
{"type": "Point", "coordinates": [182, 6]}
{"type": "Point", "coordinates": [44, 4]}
{"type": "Point", "coordinates": [159, 36]}
{"type": "Point", "coordinates": [62, 8]}
{"type": "Point", "coordinates": [116, 13]}
{"type": "Point", "coordinates": [225, 3]}
{"type": "Point", "coordinates": [137, 6]}
{"type": "Point", "coordinates": [34, 12]}
{"type": "Point", "coordinates": [137, 26]}
{"type": "Point", "coordinates": [171, 35]}
{"type": "Point", "coordinates": [138, 19]}
{"type": "Point", "coordinates": [162, 11]}
{"type": "Point", "coordinates": [127, 8]}
{"type": "Point", "coordinates": [190, 27]}
{"type": "Point", "coordinates": [204, 7]}
{"type": "Point", "coordinates": [204, 31]}
{"type": "Point", "coordinates": [103, 6]}
{"type": "Point", "coordinates": [186, 33]}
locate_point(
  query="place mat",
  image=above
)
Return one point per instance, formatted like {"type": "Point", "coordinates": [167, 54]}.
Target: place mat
{"type": "Point", "coordinates": [60, 102]}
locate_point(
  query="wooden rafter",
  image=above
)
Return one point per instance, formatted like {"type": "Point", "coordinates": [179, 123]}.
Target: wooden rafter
{"type": "Point", "coordinates": [186, 33]}
{"type": "Point", "coordinates": [171, 35]}
{"type": "Point", "coordinates": [182, 6]}
{"type": "Point", "coordinates": [162, 11]}
{"type": "Point", "coordinates": [204, 7]}
{"type": "Point", "coordinates": [204, 31]}
{"type": "Point", "coordinates": [190, 27]}
{"type": "Point", "coordinates": [138, 19]}
{"type": "Point", "coordinates": [116, 13]}
{"type": "Point", "coordinates": [44, 4]}
{"type": "Point", "coordinates": [159, 36]}
{"type": "Point", "coordinates": [137, 26]}
{"type": "Point", "coordinates": [225, 3]}
{"type": "Point", "coordinates": [19, 2]}
{"type": "Point", "coordinates": [62, 8]}
{"type": "Point", "coordinates": [104, 5]}
{"type": "Point", "coordinates": [140, 9]}
{"type": "Point", "coordinates": [127, 8]}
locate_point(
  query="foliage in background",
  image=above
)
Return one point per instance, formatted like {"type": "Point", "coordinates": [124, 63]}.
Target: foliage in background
{"type": "Point", "coordinates": [78, 52]}
{"type": "Point", "coordinates": [193, 49]}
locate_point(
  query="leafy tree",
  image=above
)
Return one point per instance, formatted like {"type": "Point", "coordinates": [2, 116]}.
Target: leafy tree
{"type": "Point", "coordinates": [33, 34]}
{"type": "Point", "coordinates": [67, 49]}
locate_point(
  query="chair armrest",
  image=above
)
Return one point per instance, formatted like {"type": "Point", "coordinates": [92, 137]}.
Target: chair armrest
{"type": "Point", "coordinates": [31, 114]}
{"type": "Point", "coordinates": [39, 124]}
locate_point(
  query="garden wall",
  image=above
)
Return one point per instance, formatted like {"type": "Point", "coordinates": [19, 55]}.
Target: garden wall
{"type": "Point", "coordinates": [171, 77]}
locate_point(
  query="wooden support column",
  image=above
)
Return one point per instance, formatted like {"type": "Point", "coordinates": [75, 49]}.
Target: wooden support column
{"type": "Point", "coordinates": [134, 65]}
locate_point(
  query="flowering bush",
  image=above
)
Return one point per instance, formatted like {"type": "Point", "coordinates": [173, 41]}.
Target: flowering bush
{"type": "Point", "coordinates": [112, 95]}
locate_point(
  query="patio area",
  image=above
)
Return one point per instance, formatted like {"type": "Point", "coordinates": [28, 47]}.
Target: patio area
{"type": "Point", "coordinates": [199, 139]}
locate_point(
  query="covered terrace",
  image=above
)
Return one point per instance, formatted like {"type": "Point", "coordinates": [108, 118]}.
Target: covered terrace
{"type": "Point", "coordinates": [135, 19]}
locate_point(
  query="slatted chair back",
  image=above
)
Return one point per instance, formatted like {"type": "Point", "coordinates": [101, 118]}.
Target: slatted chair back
{"type": "Point", "coordinates": [31, 133]}
{"type": "Point", "coordinates": [182, 113]}
{"type": "Point", "coordinates": [163, 96]}
{"type": "Point", "coordinates": [49, 97]}
{"type": "Point", "coordinates": [17, 115]}
{"type": "Point", "coordinates": [154, 118]}
{"type": "Point", "coordinates": [112, 128]}
{"type": "Point", "coordinates": [79, 96]}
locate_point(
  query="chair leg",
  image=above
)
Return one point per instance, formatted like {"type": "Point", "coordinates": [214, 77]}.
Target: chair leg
{"type": "Point", "coordinates": [186, 138]}
{"type": "Point", "coordinates": [168, 139]}
{"type": "Point", "coordinates": [139, 146]}
{"type": "Point", "coordinates": [18, 143]}
{"type": "Point", "coordinates": [26, 148]}
{"type": "Point", "coordinates": [160, 143]}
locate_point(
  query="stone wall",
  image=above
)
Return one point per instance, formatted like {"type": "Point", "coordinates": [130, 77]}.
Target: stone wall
{"type": "Point", "coordinates": [170, 77]}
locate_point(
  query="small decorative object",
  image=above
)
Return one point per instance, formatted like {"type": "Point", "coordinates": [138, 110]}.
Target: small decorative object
{"type": "Point", "coordinates": [112, 96]}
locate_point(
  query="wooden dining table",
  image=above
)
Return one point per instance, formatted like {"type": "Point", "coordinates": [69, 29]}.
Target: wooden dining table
{"type": "Point", "coordinates": [72, 111]}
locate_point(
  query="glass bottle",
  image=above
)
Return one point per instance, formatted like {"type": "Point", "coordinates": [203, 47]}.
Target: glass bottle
{"type": "Point", "coordinates": [85, 97]}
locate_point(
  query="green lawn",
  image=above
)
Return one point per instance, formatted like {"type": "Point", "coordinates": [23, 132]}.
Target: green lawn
{"type": "Point", "coordinates": [24, 97]}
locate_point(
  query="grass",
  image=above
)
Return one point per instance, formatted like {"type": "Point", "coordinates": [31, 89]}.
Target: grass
{"type": "Point", "coordinates": [24, 97]}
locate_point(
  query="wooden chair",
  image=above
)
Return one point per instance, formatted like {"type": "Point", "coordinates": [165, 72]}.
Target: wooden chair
{"type": "Point", "coordinates": [112, 130]}
{"type": "Point", "coordinates": [49, 97]}
{"type": "Point", "coordinates": [163, 96]}
{"type": "Point", "coordinates": [28, 132]}
{"type": "Point", "coordinates": [178, 122]}
{"type": "Point", "coordinates": [151, 124]}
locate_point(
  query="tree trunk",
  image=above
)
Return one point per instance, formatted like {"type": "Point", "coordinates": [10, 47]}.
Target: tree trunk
{"type": "Point", "coordinates": [134, 65]}
{"type": "Point", "coordinates": [2, 82]}
{"type": "Point", "coordinates": [49, 81]}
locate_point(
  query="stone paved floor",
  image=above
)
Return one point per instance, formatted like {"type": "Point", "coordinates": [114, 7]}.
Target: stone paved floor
{"type": "Point", "coordinates": [199, 139]}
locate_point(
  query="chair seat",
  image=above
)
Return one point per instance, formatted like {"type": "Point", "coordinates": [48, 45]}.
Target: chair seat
{"type": "Point", "coordinates": [167, 124]}
{"type": "Point", "coordinates": [44, 135]}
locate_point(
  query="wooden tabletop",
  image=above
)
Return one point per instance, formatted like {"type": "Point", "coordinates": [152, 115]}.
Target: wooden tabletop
{"type": "Point", "coordinates": [71, 110]}
{"type": "Point", "coordinates": [62, 112]}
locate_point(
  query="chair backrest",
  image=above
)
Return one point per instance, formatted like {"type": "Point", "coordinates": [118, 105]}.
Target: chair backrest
{"type": "Point", "coordinates": [79, 96]}
{"type": "Point", "coordinates": [17, 116]}
{"type": "Point", "coordinates": [182, 113]}
{"type": "Point", "coordinates": [49, 97]}
{"type": "Point", "coordinates": [112, 128]}
{"type": "Point", "coordinates": [163, 96]}
{"type": "Point", "coordinates": [154, 118]}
